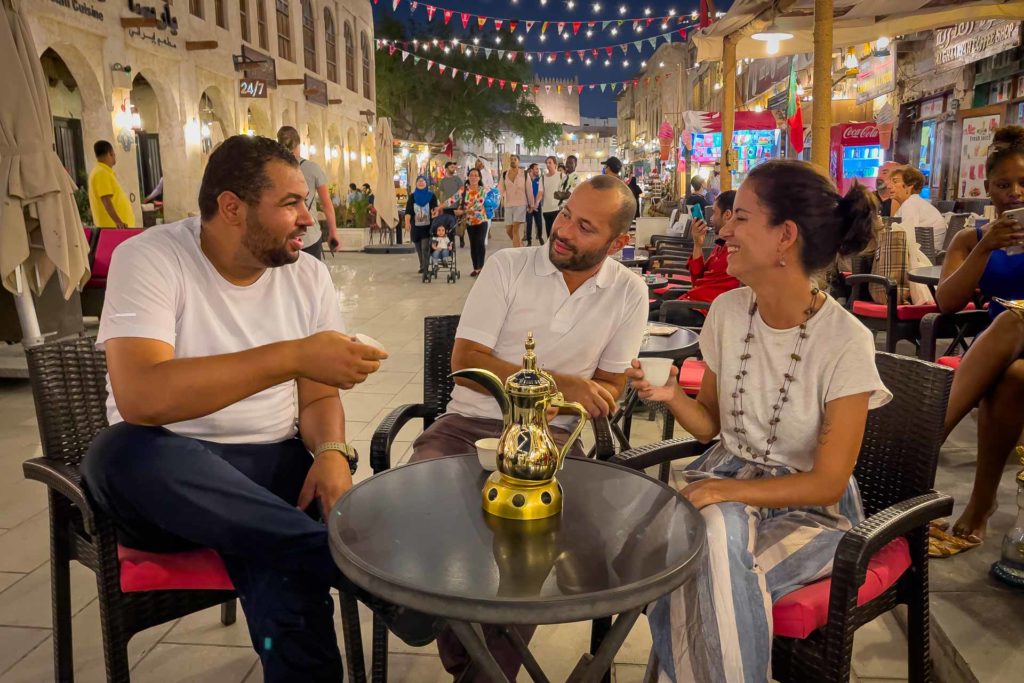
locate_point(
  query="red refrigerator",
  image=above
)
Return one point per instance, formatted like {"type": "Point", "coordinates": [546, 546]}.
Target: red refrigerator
{"type": "Point", "coordinates": [855, 155]}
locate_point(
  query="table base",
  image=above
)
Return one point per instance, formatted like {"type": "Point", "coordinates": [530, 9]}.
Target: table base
{"type": "Point", "coordinates": [590, 668]}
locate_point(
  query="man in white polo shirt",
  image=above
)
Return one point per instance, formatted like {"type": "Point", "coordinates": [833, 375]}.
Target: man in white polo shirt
{"type": "Point", "coordinates": [587, 313]}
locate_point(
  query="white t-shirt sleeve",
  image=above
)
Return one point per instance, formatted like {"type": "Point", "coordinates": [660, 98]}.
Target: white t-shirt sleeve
{"type": "Point", "coordinates": [624, 345]}
{"type": "Point", "coordinates": [855, 372]}
{"type": "Point", "coordinates": [487, 304]}
{"type": "Point", "coordinates": [141, 298]}
{"type": "Point", "coordinates": [329, 317]}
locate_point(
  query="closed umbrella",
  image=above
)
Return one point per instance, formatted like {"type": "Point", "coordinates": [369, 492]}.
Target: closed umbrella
{"type": "Point", "coordinates": [40, 230]}
{"type": "Point", "coordinates": [385, 202]}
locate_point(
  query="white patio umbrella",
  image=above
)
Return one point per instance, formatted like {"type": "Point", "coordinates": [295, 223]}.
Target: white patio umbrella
{"type": "Point", "coordinates": [387, 205]}
{"type": "Point", "coordinates": [40, 230]}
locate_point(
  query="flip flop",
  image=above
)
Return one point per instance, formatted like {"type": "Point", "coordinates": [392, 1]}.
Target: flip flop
{"type": "Point", "coordinates": [943, 544]}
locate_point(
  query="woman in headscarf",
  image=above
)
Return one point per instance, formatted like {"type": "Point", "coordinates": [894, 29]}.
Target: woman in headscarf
{"type": "Point", "coordinates": [419, 211]}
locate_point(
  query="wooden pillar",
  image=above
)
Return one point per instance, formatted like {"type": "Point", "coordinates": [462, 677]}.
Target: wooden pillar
{"type": "Point", "coordinates": [728, 106]}
{"type": "Point", "coordinates": [821, 115]}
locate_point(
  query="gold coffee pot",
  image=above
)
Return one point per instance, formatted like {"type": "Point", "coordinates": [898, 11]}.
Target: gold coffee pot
{"type": "Point", "coordinates": [524, 486]}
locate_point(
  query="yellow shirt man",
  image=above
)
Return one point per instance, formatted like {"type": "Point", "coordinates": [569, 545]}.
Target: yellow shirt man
{"type": "Point", "coordinates": [103, 183]}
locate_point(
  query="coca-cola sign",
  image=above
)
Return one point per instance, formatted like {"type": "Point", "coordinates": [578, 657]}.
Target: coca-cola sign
{"type": "Point", "coordinates": [860, 135]}
{"type": "Point", "coordinates": [970, 41]}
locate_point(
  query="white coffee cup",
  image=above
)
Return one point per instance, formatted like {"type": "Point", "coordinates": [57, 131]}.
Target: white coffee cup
{"type": "Point", "coordinates": [487, 452]}
{"type": "Point", "coordinates": [369, 341]}
{"type": "Point", "coordinates": [656, 370]}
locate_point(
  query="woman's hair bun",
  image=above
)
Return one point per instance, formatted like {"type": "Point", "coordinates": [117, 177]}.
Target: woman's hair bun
{"type": "Point", "coordinates": [857, 213]}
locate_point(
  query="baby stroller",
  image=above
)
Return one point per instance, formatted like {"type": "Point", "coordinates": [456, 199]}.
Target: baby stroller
{"type": "Point", "coordinates": [450, 264]}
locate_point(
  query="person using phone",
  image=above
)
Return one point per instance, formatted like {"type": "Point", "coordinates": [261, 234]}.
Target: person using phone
{"type": "Point", "coordinates": [991, 375]}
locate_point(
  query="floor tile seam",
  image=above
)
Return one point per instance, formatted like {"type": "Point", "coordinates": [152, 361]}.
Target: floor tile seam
{"type": "Point", "coordinates": [41, 643]}
{"type": "Point", "coordinates": [24, 576]}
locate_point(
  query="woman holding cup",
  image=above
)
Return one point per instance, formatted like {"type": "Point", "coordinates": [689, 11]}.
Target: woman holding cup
{"type": "Point", "coordinates": [991, 375]}
{"type": "Point", "coordinates": [790, 378]}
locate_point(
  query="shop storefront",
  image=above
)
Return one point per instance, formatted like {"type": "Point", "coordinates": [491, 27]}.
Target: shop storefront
{"type": "Point", "coordinates": [755, 140]}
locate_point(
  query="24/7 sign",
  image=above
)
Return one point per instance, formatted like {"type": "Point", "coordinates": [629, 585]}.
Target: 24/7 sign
{"type": "Point", "coordinates": [252, 87]}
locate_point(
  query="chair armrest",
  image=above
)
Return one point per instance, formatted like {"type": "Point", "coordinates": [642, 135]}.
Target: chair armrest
{"type": "Point", "coordinates": [387, 431]}
{"type": "Point", "coordinates": [859, 544]}
{"type": "Point", "coordinates": [642, 457]}
{"type": "Point", "coordinates": [870, 278]}
{"type": "Point", "coordinates": [604, 440]}
{"type": "Point", "coordinates": [935, 326]}
{"type": "Point", "coordinates": [64, 479]}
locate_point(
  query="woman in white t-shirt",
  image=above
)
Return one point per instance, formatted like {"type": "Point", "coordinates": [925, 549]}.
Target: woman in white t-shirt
{"type": "Point", "coordinates": [790, 378]}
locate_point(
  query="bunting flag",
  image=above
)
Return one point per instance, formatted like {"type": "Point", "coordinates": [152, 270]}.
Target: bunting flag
{"type": "Point", "coordinates": [487, 52]}
{"type": "Point", "coordinates": [595, 53]}
{"type": "Point", "coordinates": [624, 48]}
{"type": "Point", "coordinates": [639, 46]}
{"type": "Point", "coordinates": [501, 83]}
{"type": "Point", "coordinates": [547, 89]}
{"type": "Point", "coordinates": [591, 24]}
{"type": "Point", "coordinates": [543, 27]}
{"type": "Point", "coordinates": [636, 24]}
{"type": "Point", "coordinates": [682, 33]}
{"type": "Point", "coordinates": [394, 5]}
{"type": "Point", "coordinates": [481, 21]}
{"type": "Point", "coordinates": [430, 12]}
{"type": "Point", "coordinates": [529, 25]}
{"type": "Point", "coordinates": [559, 89]}
{"type": "Point", "coordinates": [576, 27]}
{"type": "Point", "coordinates": [391, 50]}
{"type": "Point", "coordinates": [561, 27]}
{"type": "Point", "coordinates": [581, 54]}
{"type": "Point", "coordinates": [465, 76]}
{"type": "Point", "coordinates": [649, 22]}
{"type": "Point", "coordinates": [579, 89]}
{"type": "Point", "coordinates": [604, 25]}
{"type": "Point", "coordinates": [465, 19]}
{"type": "Point", "coordinates": [448, 16]}
{"type": "Point", "coordinates": [413, 6]}
{"type": "Point", "coordinates": [490, 81]}
{"type": "Point", "coordinates": [514, 84]}
{"type": "Point", "coordinates": [497, 24]}
{"type": "Point", "coordinates": [430, 63]}
{"type": "Point", "coordinates": [512, 26]}
{"type": "Point", "coordinates": [455, 71]}
{"type": "Point", "coordinates": [416, 60]}
{"type": "Point", "coordinates": [440, 67]}
{"type": "Point", "coordinates": [478, 77]}
{"type": "Point", "coordinates": [653, 42]}
{"type": "Point", "coordinates": [405, 55]}
{"type": "Point", "coordinates": [501, 54]}
{"type": "Point", "coordinates": [608, 51]}
{"type": "Point", "coordinates": [602, 87]}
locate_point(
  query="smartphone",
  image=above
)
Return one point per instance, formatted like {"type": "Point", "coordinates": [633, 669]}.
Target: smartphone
{"type": "Point", "coordinates": [1016, 215]}
{"type": "Point", "coordinates": [696, 212]}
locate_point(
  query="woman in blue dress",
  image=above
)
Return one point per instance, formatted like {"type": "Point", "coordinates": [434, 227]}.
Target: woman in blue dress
{"type": "Point", "coordinates": [991, 375]}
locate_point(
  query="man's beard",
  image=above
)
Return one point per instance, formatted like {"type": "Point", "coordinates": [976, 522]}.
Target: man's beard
{"type": "Point", "coordinates": [258, 240]}
{"type": "Point", "coordinates": [576, 260]}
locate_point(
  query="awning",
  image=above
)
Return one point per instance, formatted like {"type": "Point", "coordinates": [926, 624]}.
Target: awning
{"type": "Point", "coordinates": [711, 121]}
{"type": "Point", "coordinates": [855, 22]}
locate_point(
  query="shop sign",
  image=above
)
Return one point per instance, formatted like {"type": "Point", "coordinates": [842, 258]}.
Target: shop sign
{"type": "Point", "coordinates": [166, 23]}
{"type": "Point", "coordinates": [977, 136]}
{"type": "Point", "coordinates": [252, 87]}
{"type": "Point", "coordinates": [970, 41]}
{"type": "Point", "coordinates": [84, 8]}
{"type": "Point", "coordinates": [933, 107]}
{"type": "Point", "coordinates": [765, 74]}
{"type": "Point", "coordinates": [315, 91]}
{"type": "Point", "coordinates": [876, 76]}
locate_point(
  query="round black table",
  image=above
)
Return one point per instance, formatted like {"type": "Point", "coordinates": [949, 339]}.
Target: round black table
{"type": "Point", "coordinates": [638, 260]}
{"type": "Point", "coordinates": [929, 275]}
{"type": "Point", "coordinates": [680, 344]}
{"type": "Point", "coordinates": [417, 536]}
{"type": "Point", "coordinates": [655, 281]}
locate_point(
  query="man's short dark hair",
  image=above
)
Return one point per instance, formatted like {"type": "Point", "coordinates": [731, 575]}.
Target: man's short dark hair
{"type": "Point", "coordinates": [352, 186]}
{"type": "Point", "coordinates": [623, 216]}
{"type": "Point", "coordinates": [696, 183]}
{"type": "Point", "coordinates": [102, 148]}
{"type": "Point", "coordinates": [449, 163]}
{"type": "Point", "coordinates": [726, 200]}
{"type": "Point", "coordinates": [571, 156]}
{"type": "Point", "coordinates": [239, 165]}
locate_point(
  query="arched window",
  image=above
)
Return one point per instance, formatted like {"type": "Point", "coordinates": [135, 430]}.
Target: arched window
{"type": "Point", "coordinates": [350, 58]}
{"type": "Point", "coordinates": [243, 19]}
{"type": "Point", "coordinates": [284, 30]}
{"type": "Point", "coordinates": [364, 44]}
{"type": "Point", "coordinates": [308, 35]}
{"type": "Point", "coordinates": [331, 41]}
{"type": "Point", "coordinates": [261, 23]}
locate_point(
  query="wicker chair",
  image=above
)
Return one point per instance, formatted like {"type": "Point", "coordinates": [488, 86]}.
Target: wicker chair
{"type": "Point", "coordinates": [69, 388]}
{"type": "Point", "coordinates": [438, 343]}
{"type": "Point", "coordinates": [926, 238]}
{"type": "Point", "coordinates": [895, 472]}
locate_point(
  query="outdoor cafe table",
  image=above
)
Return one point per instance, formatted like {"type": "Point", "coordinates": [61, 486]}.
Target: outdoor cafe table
{"type": "Point", "coordinates": [655, 281]}
{"type": "Point", "coordinates": [416, 535]}
{"type": "Point", "coordinates": [680, 344]}
{"type": "Point", "coordinates": [926, 276]}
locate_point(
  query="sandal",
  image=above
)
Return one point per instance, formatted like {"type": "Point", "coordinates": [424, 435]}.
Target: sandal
{"type": "Point", "coordinates": [941, 543]}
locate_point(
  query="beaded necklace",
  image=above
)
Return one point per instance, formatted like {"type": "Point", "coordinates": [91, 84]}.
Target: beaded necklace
{"type": "Point", "coordinates": [787, 381]}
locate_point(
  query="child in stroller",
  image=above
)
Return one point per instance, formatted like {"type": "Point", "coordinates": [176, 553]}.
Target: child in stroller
{"type": "Point", "coordinates": [442, 256]}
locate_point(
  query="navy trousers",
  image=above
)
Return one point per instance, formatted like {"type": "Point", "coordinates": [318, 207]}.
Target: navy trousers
{"type": "Point", "coordinates": [170, 493]}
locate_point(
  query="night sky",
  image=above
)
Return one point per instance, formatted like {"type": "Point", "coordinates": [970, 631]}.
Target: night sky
{"type": "Point", "coordinates": [592, 102]}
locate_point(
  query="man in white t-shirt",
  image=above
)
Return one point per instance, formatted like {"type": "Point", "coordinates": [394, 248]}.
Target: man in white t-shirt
{"type": "Point", "coordinates": [587, 313]}
{"type": "Point", "coordinates": [552, 183]}
{"type": "Point", "coordinates": [226, 349]}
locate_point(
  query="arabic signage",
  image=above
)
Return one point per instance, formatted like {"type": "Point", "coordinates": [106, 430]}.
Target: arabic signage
{"type": "Point", "coordinates": [252, 87]}
{"type": "Point", "coordinates": [973, 40]}
{"type": "Point", "coordinates": [259, 66]}
{"type": "Point", "coordinates": [166, 23]}
{"type": "Point", "coordinates": [83, 8]}
{"type": "Point", "coordinates": [876, 76]}
{"type": "Point", "coordinates": [315, 91]}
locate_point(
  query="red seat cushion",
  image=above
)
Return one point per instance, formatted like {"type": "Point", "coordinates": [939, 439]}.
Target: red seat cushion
{"type": "Point", "coordinates": [950, 361]}
{"type": "Point", "coordinates": [109, 240]}
{"type": "Point", "coordinates": [661, 291]}
{"type": "Point", "coordinates": [805, 610]}
{"type": "Point", "coordinates": [679, 277]}
{"type": "Point", "coordinates": [200, 569]}
{"type": "Point", "coordinates": [869, 309]}
{"type": "Point", "coordinates": [691, 374]}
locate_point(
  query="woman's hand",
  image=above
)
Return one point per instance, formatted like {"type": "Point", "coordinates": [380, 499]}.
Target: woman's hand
{"type": "Point", "coordinates": [649, 392]}
{"type": "Point", "coordinates": [708, 492]}
{"type": "Point", "coordinates": [1001, 233]}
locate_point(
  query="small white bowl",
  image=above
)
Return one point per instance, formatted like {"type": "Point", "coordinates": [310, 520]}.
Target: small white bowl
{"type": "Point", "coordinates": [656, 370]}
{"type": "Point", "coordinates": [487, 452]}
{"type": "Point", "coordinates": [369, 341]}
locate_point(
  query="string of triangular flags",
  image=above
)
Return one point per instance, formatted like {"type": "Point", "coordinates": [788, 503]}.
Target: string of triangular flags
{"type": "Point", "coordinates": [480, 21]}
{"type": "Point", "coordinates": [490, 81]}
{"type": "Point", "coordinates": [530, 55]}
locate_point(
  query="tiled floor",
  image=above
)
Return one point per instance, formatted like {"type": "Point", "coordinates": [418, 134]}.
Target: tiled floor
{"type": "Point", "coordinates": [382, 297]}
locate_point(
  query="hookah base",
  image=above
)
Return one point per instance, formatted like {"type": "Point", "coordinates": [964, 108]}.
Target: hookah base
{"type": "Point", "coordinates": [511, 498]}
{"type": "Point", "coordinates": [1008, 575]}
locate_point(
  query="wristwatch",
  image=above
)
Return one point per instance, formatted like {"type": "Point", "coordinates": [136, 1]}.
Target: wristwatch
{"type": "Point", "coordinates": [347, 450]}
